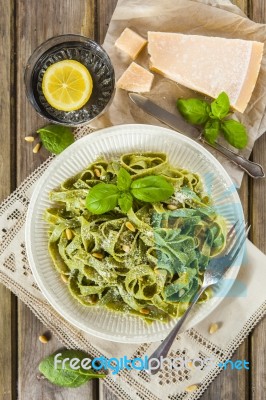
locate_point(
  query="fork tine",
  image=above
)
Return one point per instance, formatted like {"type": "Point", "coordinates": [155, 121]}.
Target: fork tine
{"type": "Point", "coordinates": [239, 243]}
{"type": "Point", "coordinates": [232, 229]}
{"type": "Point", "coordinates": [231, 236]}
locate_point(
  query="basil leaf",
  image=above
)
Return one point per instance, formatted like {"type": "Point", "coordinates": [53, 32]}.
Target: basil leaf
{"type": "Point", "coordinates": [152, 189]}
{"type": "Point", "coordinates": [211, 130]}
{"type": "Point", "coordinates": [123, 179]}
{"type": "Point", "coordinates": [102, 198]}
{"type": "Point", "coordinates": [67, 376]}
{"type": "Point", "coordinates": [194, 111]}
{"type": "Point", "coordinates": [125, 202]}
{"type": "Point", "coordinates": [56, 138]}
{"type": "Point", "coordinates": [235, 133]}
{"type": "Point", "coordinates": [221, 106]}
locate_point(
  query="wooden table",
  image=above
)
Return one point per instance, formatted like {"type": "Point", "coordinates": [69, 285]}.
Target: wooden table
{"type": "Point", "coordinates": [24, 24]}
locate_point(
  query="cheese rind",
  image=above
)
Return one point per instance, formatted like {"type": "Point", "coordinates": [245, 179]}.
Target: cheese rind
{"type": "Point", "coordinates": [208, 65]}
{"type": "Point", "coordinates": [131, 43]}
{"type": "Point", "coordinates": [135, 79]}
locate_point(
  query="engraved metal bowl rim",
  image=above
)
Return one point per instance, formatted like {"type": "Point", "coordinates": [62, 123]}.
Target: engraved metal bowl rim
{"type": "Point", "coordinates": [40, 50]}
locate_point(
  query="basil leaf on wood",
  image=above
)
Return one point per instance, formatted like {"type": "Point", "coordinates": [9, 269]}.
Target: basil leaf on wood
{"type": "Point", "coordinates": [152, 189]}
{"type": "Point", "coordinates": [102, 198]}
{"type": "Point", "coordinates": [64, 374]}
{"type": "Point", "coordinates": [56, 138]}
{"type": "Point", "coordinates": [194, 111]}
{"type": "Point", "coordinates": [125, 202]}
{"type": "Point", "coordinates": [235, 133]}
{"type": "Point", "coordinates": [220, 107]}
{"type": "Point", "coordinates": [123, 179]}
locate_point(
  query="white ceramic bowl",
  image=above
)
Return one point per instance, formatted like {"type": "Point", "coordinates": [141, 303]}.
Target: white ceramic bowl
{"type": "Point", "coordinates": [121, 139]}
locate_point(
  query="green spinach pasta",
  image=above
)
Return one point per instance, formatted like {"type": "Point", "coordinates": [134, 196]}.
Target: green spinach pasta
{"type": "Point", "coordinates": [144, 257]}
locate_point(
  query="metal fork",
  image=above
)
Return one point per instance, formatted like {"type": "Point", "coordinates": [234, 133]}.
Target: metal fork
{"type": "Point", "coordinates": [215, 271]}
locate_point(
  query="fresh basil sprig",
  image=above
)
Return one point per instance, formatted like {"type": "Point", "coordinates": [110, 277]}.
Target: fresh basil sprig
{"type": "Point", "coordinates": [194, 111]}
{"type": "Point", "coordinates": [104, 197]}
{"type": "Point", "coordinates": [56, 138]}
{"type": "Point", "coordinates": [221, 106]}
{"type": "Point", "coordinates": [125, 201]}
{"type": "Point", "coordinates": [123, 179]}
{"type": "Point", "coordinates": [211, 130]}
{"type": "Point", "coordinates": [152, 189]}
{"type": "Point", "coordinates": [214, 119]}
{"type": "Point", "coordinates": [234, 133]}
{"type": "Point", "coordinates": [67, 376]}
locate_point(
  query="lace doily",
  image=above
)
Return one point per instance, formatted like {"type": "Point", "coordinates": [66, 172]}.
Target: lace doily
{"type": "Point", "coordinates": [238, 314]}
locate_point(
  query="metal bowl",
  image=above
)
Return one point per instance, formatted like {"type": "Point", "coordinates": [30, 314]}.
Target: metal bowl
{"type": "Point", "coordinates": [87, 52]}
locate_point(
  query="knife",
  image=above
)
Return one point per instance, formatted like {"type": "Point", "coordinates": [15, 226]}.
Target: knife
{"type": "Point", "coordinates": [177, 122]}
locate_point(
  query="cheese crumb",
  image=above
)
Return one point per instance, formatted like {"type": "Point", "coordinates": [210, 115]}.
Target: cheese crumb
{"type": "Point", "coordinates": [135, 79]}
{"type": "Point", "coordinates": [131, 43]}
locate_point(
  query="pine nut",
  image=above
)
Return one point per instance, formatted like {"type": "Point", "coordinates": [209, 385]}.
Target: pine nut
{"type": "Point", "coordinates": [43, 339]}
{"type": "Point", "coordinates": [126, 248]}
{"type": "Point", "coordinates": [36, 148]}
{"type": "Point", "coordinates": [69, 234]}
{"type": "Point", "coordinates": [144, 311]}
{"type": "Point", "coordinates": [64, 278]}
{"type": "Point", "coordinates": [171, 207]}
{"type": "Point", "coordinates": [29, 139]}
{"type": "Point", "coordinates": [130, 226]}
{"type": "Point", "coordinates": [100, 256]}
{"type": "Point", "coordinates": [191, 388]}
{"type": "Point", "coordinates": [213, 328]}
{"type": "Point", "coordinates": [190, 364]}
{"type": "Point", "coordinates": [94, 298]}
{"type": "Point", "coordinates": [97, 172]}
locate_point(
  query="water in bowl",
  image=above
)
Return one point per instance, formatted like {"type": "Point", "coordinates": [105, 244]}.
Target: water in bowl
{"type": "Point", "coordinates": [93, 57]}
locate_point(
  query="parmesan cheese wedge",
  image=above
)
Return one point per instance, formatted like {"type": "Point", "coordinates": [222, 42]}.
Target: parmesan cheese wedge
{"type": "Point", "coordinates": [135, 79]}
{"type": "Point", "coordinates": [131, 43]}
{"type": "Point", "coordinates": [208, 65]}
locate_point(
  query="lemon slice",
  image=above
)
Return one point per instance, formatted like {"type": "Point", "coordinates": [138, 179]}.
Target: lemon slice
{"type": "Point", "coordinates": [67, 85]}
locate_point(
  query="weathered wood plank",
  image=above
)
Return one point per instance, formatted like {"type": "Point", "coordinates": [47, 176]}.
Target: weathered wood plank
{"type": "Point", "coordinates": [31, 352]}
{"type": "Point", "coordinates": [258, 218]}
{"type": "Point", "coordinates": [37, 20]}
{"type": "Point", "coordinates": [243, 4]}
{"type": "Point", "coordinates": [105, 9]}
{"type": "Point", "coordinates": [257, 10]}
{"type": "Point", "coordinates": [7, 300]}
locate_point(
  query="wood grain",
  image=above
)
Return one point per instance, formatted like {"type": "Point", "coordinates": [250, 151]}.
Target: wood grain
{"type": "Point", "coordinates": [258, 212]}
{"type": "Point", "coordinates": [7, 300]}
{"type": "Point", "coordinates": [257, 10]}
{"type": "Point", "coordinates": [104, 11]}
{"type": "Point", "coordinates": [242, 4]}
{"type": "Point", "coordinates": [37, 20]}
{"type": "Point", "coordinates": [31, 352]}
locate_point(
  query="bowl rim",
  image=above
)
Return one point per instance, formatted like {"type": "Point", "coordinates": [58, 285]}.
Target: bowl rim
{"type": "Point", "coordinates": [30, 218]}
{"type": "Point", "coordinates": [40, 50]}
